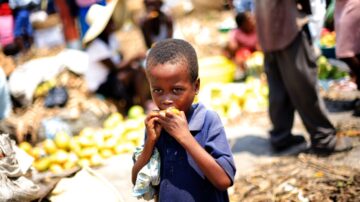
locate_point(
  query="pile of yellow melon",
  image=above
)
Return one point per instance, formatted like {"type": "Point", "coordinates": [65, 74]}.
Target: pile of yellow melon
{"type": "Point", "coordinates": [91, 146]}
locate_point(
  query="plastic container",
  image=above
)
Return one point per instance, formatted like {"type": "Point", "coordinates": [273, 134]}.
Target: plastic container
{"type": "Point", "coordinates": [6, 30]}
{"type": "Point", "coordinates": [328, 52]}
{"type": "Point", "coordinates": [216, 69]}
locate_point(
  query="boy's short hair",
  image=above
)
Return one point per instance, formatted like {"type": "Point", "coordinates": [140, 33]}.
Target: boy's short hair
{"type": "Point", "coordinates": [174, 51]}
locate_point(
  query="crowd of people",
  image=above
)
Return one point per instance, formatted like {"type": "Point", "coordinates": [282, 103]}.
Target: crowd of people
{"type": "Point", "coordinates": [108, 73]}
{"type": "Point", "coordinates": [193, 143]}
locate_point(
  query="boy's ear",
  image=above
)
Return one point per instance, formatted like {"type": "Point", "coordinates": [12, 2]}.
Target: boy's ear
{"type": "Point", "coordinates": [197, 85]}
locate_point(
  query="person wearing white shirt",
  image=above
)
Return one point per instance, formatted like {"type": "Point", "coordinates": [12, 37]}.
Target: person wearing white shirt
{"type": "Point", "coordinates": [120, 80]}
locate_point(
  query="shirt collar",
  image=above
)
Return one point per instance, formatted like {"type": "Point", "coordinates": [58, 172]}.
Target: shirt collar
{"type": "Point", "coordinates": [197, 117]}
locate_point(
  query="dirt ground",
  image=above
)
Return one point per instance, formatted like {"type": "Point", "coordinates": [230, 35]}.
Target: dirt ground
{"type": "Point", "coordinates": [264, 175]}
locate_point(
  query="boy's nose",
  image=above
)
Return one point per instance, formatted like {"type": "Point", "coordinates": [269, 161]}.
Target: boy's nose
{"type": "Point", "coordinates": [167, 102]}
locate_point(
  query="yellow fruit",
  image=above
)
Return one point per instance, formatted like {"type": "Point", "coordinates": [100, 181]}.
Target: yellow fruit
{"type": "Point", "coordinates": [96, 160]}
{"type": "Point", "coordinates": [124, 148]}
{"type": "Point", "coordinates": [69, 165]}
{"type": "Point", "coordinates": [113, 120]}
{"type": "Point", "coordinates": [56, 168]}
{"type": "Point", "coordinates": [119, 130]}
{"type": "Point", "coordinates": [59, 157]}
{"type": "Point", "coordinates": [106, 153]}
{"type": "Point", "coordinates": [38, 152]}
{"type": "Point", "coordinates": [110, 143]}
{"type": "Point", "coordinates": [135, 111]}
{"type": "Point", "coordinates": [73, 157]}
{"type": "Point", "coordinates": [74, 145]}
{"type": "Point", "coordinates": [119, 149]}
{"type": "Point", "coordinates": [132, 124]}
{"type": "Point", "coordinates": [86, 132]}
{"type": "Point", "coordinates": [88, 152]}
{"type": "Point", "coordinates": [133, 135]}
{"type": "Point", "coordinates": [26, 147]}
{"type": "Point", "coordinates": [99, 140]}
{"type": "Point", "coordinates": [42, 164]}
{"type": "Point", "coordinates": [84, 162]}
{"type": "Point", "coordinates": [62, 140]}
{"type": "Point", "coordinates": [86, 141]}
{"type": "Point", "coordinates": [49, 146]}
{"type": "Point", "coordinates": [173, 110]}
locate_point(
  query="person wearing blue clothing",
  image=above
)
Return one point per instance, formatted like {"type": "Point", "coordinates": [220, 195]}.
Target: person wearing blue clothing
{"type": "Point", "coordinates": [196, 160]}
{"type": "Point", "coordinates": [23, 30]}
{"type": "Point", "coordinates": [243, 5]}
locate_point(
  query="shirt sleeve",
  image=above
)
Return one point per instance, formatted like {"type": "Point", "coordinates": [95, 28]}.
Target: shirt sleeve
{"type": "Point", "coordinates": [218, 147]}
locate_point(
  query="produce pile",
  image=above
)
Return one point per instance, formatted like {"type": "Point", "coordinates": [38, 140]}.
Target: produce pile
{"type": "Point", "coordinates": [230, 100]}
{"type": "Point", "coordinates": [329, 71]}
{"type": "Point", "coordinates": [327, 38]}
{"type": "Point", "coordinates": [26, 123]}
{"type": "Point", "coordinates": [91, 146]}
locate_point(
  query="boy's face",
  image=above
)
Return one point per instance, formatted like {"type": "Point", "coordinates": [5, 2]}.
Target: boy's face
{"type": "Point", "coordinates": [171, 86]}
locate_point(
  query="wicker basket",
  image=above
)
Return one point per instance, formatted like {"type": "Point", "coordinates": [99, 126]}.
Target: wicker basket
{"type": "Point", "coordinates": [206, 4]}
{"type": "Point", "coordinates": [51, 21]}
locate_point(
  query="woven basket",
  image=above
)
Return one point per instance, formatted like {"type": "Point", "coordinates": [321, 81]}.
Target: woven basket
{"type": "Point", "coordinates": [51, 21]}
{"type": "Point", "coordinates": [206, 4]}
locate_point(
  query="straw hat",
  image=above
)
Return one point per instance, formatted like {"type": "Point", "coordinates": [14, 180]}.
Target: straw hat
{"type": "Point", "coordinates": [98, 17]}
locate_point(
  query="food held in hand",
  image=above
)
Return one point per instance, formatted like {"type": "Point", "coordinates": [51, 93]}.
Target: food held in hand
{"type": "Point", "coordinates": [172, 110]}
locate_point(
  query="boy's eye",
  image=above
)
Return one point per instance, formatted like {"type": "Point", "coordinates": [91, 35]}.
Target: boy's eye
{"type": "Point", "coordinates": [177, 90]}
{"type": "Point", "coordinates": [156, 91]}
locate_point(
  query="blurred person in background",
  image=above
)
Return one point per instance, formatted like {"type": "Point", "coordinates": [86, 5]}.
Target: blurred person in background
{"type": "Point", "coordinates": [108, 74]}
{"type": "Point", "coordinates": [23, 30]}
{"type": "Point", "coordinates": [84, 6]}
{"type": "Point", "coordinates": [68, 11]}
{"type": "Point", "coordinates": [156, 25]}
{"type": "Point", "coordinates": [290, 66]}
{"type": "Point", "coordinates": [6, 24]}
{"type": "Point", "coordinates": [5, 101]}
{"type": "Point", "coordinates": [347, 28]}
{"type": "Point", "coordinates": [316, 22]}
{"type": "Point", "coordinates": [243, 39]}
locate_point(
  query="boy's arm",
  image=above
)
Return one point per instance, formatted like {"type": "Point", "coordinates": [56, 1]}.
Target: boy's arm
{"type": "Point", "coordinates": [153, 133]}
{"type": "Point", "coordinates": [142, 160]}
{"type": "Point", "coordinates": [212, 170]}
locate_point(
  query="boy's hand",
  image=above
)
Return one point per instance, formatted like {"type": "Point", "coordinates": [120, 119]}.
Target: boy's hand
{"type": "Point", "coordinates": [153, 128]}
{"type": "Point", "coordinates": [174, 122]}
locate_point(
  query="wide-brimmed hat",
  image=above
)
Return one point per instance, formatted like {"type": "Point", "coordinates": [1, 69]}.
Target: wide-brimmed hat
{"type": "Point", "coordinates": [98, 17]}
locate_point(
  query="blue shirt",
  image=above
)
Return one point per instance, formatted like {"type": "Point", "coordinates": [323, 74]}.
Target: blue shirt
{"type": "Point", "coordinates": [181, 178]}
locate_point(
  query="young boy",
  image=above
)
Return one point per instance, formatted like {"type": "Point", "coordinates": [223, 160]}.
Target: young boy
{"type": "Point", "coordinates": [196, 160]}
